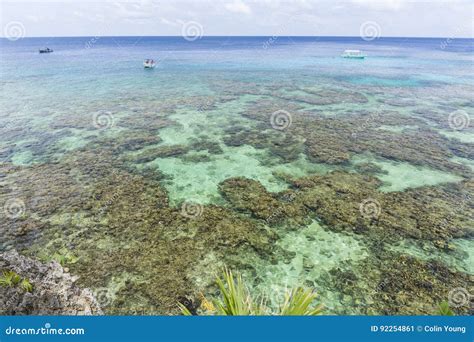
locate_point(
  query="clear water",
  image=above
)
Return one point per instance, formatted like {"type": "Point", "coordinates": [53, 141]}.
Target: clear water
{"type": "Point", "coordinates": [398, 176]}
{"type": "Point", "coordinates": [48, 103]}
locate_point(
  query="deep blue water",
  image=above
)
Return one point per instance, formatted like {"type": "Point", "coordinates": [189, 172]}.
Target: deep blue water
{"type": "Point", "coordinates": [82, 59]}
{"type": "Point", "coordinates": [461, 45]}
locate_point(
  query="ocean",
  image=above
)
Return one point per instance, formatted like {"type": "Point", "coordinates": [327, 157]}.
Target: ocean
{"type": "Point", "coordinates": [273, 156]}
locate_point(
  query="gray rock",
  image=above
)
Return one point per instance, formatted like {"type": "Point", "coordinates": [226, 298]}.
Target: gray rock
{"type": "Point", "coordinates": [54, 290]}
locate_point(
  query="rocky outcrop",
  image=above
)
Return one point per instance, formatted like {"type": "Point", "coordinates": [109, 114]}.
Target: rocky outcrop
{"type": "Point", "coordinates": [54, 290]}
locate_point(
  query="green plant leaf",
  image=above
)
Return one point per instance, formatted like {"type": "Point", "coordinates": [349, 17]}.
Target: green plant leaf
{"type": "Point", "coordinates": [184, 310]}
{"type": "Point", "coordinates": [444, 309]}
{"type": "Point", "coordinates": [298, 303]}
{"type": "Point", "coordinates": [26, 285]}
{"type": "Point", "coordinates": [9, 279]}
{"type": "Point", "coordinates": [235, 300]}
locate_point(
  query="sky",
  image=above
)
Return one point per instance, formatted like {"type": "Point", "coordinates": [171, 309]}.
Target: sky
{"type": "Point", "coordinates": [382, 18]}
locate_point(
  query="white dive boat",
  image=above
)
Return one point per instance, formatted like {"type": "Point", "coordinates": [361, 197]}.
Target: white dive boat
{"type": "Point", "coordinates": [356, 54]}
{"type": "Point", "coordinates": [149, 64]}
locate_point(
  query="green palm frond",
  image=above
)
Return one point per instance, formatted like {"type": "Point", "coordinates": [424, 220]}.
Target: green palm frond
{"type": "Point", "coordinates": [184, 310]}
{"type": "Point", "coordinates": [236, 300]}
{"type": "Point", "coordinates": [298, 303]}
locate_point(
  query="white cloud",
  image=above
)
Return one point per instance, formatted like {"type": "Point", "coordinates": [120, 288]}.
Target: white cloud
{"type": "Point", "coordinates": [438, 18]}
{"type": "Point", "coordinates": [33, 18]}
{"type": "Point", "coordinates": [238, 6]}
{"type": "Point", "coordinates": [382, 4]}
{"type": "Point", "coordinates": [133, 11]}
{"type": "Point", "coordinates": [168, 22]}
{"type": "Point", "coordinates": [396, 5]}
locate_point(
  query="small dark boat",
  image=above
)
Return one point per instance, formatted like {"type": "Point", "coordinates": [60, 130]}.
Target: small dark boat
{"type": "Point", "coordinates": [45, 50]}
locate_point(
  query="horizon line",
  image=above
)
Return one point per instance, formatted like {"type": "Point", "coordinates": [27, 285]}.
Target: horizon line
{"type": "Point", "coordinates": [248, 36]}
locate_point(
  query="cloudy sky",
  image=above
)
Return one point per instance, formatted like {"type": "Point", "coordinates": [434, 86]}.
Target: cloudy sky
{"type": "Point", "coordinates": [421, 18]}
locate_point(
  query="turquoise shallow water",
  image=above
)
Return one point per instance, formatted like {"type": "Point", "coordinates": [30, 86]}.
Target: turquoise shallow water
{"type": "Point", "coordinates": [200, 115]}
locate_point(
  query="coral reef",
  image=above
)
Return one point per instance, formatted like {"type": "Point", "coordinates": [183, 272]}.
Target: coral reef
{"type": "Point", "coordinates": [158, 152]}
{"type": "Point", "coordinates": [93, 199]}
{"type": "Point", "coordinates": [400, 284]}
{"type": "Point", "coordinates": [250, 196]}
{"type": "Point", "coordinates": [411, 287]}
{"type": "Point", "coordinates": [369, 169]}
{"type": "Point", "coordinates": [162, 244]}
{"type": "Point", "coordinates": [334, 140]}
{"type": "Point", "coordinates": [438, 213]}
